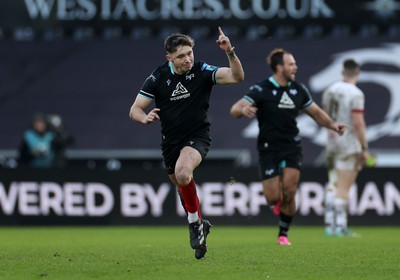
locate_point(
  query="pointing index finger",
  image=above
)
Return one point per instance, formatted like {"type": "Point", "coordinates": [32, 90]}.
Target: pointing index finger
{"type": "Point", "coordinates": [220, 31]}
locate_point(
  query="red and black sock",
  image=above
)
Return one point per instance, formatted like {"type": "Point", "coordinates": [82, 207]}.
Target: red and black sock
{"type": "Point", "coordinates": [189, 198]}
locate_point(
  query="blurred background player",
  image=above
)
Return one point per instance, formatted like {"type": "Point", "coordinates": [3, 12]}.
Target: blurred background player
{"type": "Point", "coordinates": [181, 89]}
{"type": "Point", "coordinates": [344, 102]}
{"type": "Point", "coordinates": [36, 147]}
{"type": "Point", "coordinates": [276, 102]}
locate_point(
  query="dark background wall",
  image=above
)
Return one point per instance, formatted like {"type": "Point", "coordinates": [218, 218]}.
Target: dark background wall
{"type": "Point", "coordinates": [92, 85]}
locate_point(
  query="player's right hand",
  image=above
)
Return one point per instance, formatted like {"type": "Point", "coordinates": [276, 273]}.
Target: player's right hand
{"type": "Point", "coordinates": [249, 111]}
{"type": "Point", "coordinates": [339, 128]}
{"type": "Point", "coordinates": [152, 116]}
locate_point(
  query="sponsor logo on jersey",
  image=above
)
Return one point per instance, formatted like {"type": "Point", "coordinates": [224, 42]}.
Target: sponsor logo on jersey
{"type": "Point", "coordinates": [293, 91]}
{"type": "Point", "coordinates": [208, 67]}
{"type": "Point", "coordinates": [168, 82]}
{"type": "Point", "coordinates": [286, 102]}
{"type": "Point", "coordinates": [269, 172]}
{"type": "Point", "coordinates": [179, 93]}
{"type": "Point", "coordinates": [189, 77]}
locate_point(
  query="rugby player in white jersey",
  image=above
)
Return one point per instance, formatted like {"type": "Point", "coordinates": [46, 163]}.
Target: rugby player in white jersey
{"type": "Point", "coordinates": [344, 102]}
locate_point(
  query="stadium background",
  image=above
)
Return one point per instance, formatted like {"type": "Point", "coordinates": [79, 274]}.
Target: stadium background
{"type": "Point", "coordinates": [86, 60]}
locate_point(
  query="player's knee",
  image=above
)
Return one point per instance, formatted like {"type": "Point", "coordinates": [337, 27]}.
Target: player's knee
{"type": "Point", "coordinates": [289, 194]}
{"type": "Point", "coordinates": [183, 176]}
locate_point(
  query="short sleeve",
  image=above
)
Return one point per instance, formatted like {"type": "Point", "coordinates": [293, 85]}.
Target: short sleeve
{"type": "Point", "coordinates": [209, 72]}
{"type": "Point", "coordinates": [358, 103]}
{"type": "Point", "coordinates": [253, 94]}
{"type": "Point", "coordinates": [149, 86]}
{"type": "Point", "coordinates": [307, 101]}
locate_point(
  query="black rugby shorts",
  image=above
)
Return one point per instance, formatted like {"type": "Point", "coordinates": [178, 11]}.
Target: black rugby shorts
{"type": "Point", "coordinates": [201, 143]}
{"type": "Point", "coordinates": [271, 163]}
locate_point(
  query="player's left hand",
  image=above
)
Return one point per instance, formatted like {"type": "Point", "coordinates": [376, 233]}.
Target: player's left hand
{"type": "Point", "coordinates": [366, 158]}
{"type": "Point", "coordinates": [223, 41]}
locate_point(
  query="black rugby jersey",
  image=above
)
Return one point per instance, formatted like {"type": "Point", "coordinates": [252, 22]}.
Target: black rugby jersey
{"type": "Point", "coordinates": [183, 99]}
{"type": "Point", "coordinates": [278, 108]}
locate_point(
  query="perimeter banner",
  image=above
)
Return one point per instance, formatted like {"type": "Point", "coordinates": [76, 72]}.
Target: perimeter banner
{"type": "Point", "coordinates": [42, 14]}
{"type": "Point", "coordinates": [142, 197]}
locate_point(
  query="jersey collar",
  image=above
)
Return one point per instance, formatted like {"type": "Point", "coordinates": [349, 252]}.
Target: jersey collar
{"type": "Point", "coordinates": [171, 68]}
{"type": "Point", "coordinates": [275, 83]}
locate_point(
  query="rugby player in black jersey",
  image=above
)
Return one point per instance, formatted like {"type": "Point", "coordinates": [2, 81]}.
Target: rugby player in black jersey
{"type": "Point", "coordinates": [276, 102]}
{"type": "Point", "coordinates": [181, 90]}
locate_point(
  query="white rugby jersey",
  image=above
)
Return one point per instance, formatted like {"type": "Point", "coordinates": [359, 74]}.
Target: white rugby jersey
{"type": "Point", "coordinates": [340, 100]}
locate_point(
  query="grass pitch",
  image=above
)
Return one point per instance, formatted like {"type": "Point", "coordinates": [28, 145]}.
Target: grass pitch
{"type": "Point", "coordinates": [164, 253]}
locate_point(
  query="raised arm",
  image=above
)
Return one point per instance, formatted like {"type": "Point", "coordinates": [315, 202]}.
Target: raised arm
{"type": "Point", "coordinates": [137, 112]}
{"type": "Point", "coordinates": [323, 119]}
{"type": "Point", "coordinates": [234, 73]}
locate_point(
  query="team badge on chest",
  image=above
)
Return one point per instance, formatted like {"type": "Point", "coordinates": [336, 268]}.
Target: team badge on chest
{"type": "Point", "coordinates": [180, 92]}
{"type": "Point", "coordinates": [286, 102]}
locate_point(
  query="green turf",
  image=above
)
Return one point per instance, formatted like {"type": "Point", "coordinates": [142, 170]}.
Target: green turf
{"type": "Point", "coordinates": [164, 253]}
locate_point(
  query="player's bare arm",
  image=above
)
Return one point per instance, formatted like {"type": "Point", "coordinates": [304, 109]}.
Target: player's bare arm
{"type": "Point", "coordinates": [234, 73]}
{"type": "Point", "coordinates": [137, 112]}
{"type": "Point", "coordinates": [360, 130]}
{"type": "Point", "coordinates": [243, 108]}
{"type": "Point", "coordinates": [323, 119]}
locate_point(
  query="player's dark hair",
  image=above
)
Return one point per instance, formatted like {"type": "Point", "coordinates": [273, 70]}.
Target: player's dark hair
{"type": "Point", "coordinates": [350, 67]}
{"type": "Point", "coordinates": [275, 58]}
{"type": "Point", "coordinates": [39, 116]}
{"type": "Point", "coordinates": [173, 41]}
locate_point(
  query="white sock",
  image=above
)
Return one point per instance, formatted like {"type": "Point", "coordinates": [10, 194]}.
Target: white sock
{"type": "Point", "coordinates": [329, 215]}
{"type": "Point", "coordinates": [193, 217]}
{"type": "Point", "coordinates": [341, 214]}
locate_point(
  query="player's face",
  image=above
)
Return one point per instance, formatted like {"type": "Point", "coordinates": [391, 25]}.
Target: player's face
{"type": "Point", "coordinates": [182, 60]}
{"type": "Point", "coordinates": [289, 67]}
{"type": "Point", "coordinates": [40, 125]}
